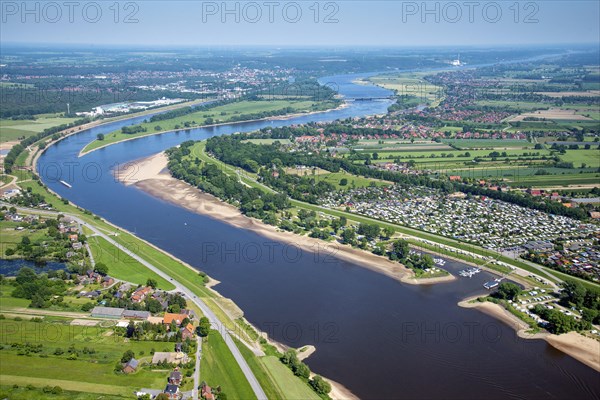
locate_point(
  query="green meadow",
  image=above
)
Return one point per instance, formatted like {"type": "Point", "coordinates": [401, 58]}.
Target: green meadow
{"type": "Point", "coordinates": [11, 130]}
{"type": "Point", "coordinates": [216, 115]}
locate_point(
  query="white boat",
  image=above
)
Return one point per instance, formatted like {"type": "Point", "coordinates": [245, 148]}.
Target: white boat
{"type": "Point", "coordinates": [66, 184]}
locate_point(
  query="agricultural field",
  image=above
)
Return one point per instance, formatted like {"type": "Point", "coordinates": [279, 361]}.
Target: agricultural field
{"type": "Point", "coordinates": [560, 180]}
{"type": "Point", "coordinates": [591, 157]}
{"type": "Point", "coordinates": [514, 105]}
{"type": "Point", "coordinates": [12, 130]}
{"type": "Point", "coordinates": [551, 114]}
{"type": "Point", "coordinates": [489, 143]}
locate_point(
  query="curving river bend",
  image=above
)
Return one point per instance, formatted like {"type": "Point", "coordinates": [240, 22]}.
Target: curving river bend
{"type": "Point", "coordinates": [378, 337]}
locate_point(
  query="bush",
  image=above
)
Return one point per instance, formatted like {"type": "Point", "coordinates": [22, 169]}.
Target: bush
{"type": "Point", "coordinates": [128, 355]}
{"type": "Point", "coordinates": [320, 385]}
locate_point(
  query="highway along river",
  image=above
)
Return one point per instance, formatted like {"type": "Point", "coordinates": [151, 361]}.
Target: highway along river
{"type": "Point", "coordinates": [379, 338]}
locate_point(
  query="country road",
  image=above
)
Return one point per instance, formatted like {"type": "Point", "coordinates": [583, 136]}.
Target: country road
{"type": "Point", "coordinates": [197, 370]}
{"type": "Point", "coordinates": [214, 320]}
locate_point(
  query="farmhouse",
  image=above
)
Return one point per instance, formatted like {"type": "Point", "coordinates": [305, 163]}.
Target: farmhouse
{"type": "Point", "coordinates": [175, 377]}
{"type": "Point", "coordinates": [207, 392]}
{"type": "Point", "coordinates": [130, 366]}
{"type": "Point", "coordinates": [140, 294]}
{"type": "Point", "coordinates": [170, 317]}
{"type": "Point", "coordinates": [107, 312]}
{"type": "Point", "coordinates": [187, 332]}
{"type": "Point", "coordinates": [172, 391]}
{"type": "Point", "coordinates": [135, 314]}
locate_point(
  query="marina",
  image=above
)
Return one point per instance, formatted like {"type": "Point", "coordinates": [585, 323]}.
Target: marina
{"type": "Point", "coordinates": [469, 272]}
{"type": "Point", "coordinates": [492, 284]}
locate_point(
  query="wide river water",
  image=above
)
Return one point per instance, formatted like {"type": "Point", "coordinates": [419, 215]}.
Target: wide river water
{"type": "Point", "coordinates": [376, 336]}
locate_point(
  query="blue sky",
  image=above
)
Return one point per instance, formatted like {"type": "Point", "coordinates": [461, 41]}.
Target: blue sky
{"type": "Point", "coordinates": [279, 23]}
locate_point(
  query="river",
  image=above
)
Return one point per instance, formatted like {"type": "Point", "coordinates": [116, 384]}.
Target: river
{"type": "Point", "coordinates": [376, 336]}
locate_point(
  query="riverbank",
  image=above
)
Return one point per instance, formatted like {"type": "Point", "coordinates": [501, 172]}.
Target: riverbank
{"type": "Point", "coordinates": [33, 157]}
{"type": "Point", "coordinates": [581, 348]}
{"type": "Point", "coordinates": [151, 176]}
{"type": "Point", "coordinates": [84, 152]}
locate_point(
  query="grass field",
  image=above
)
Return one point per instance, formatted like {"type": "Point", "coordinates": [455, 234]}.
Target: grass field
{"type": "Point", "coordinates": [426, 155]}
{"type": "Point", "coordinates": [287, 382]}
{"type": "Point", "coordinates": [487, 143]}
{"type": "Point", "coordinates": [411, 84]}
{"type": "Point", "coordinates": [281, 380]}
{"type": "Point", "coordinates": [353, 180]}
{"type": "Point", "coordinates": [4, 179]}
{"type": "Point", "coordinates": [217, 115]}
{"type": "Point", "coordinates": [520, 105]}
{"type": "Point", "coordinates": [19, 129]}
{"type": "Point", "coordinates": [8, 302]}
{"type": "Point", "coordinates": [559, 180]}
{"type": "Point", "coordinates": [24, 391]}
{"type": "Point", "coordinates": [86, 372]}
{"type": "Point", "coordinates": [11, 236]}
{"type": "Point", "coordinates": [590, 158]}
{"type": "Point", "coordinates": [122, 266]}
{"type": "Point", "coordinates": [219, 368]}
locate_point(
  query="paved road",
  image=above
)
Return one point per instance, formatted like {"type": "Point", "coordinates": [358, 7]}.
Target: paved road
{"type": "Point", "coordinates": [197, 370]}
{"type": "Point", "coordinates": [214, 320]}
{"type": "Point", "coordinates": [87, 247]}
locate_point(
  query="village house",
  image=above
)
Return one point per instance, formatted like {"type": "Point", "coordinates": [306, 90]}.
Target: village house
{"type": "Point", "coordinates": [189, 313]}
{"type": "Point", "coordinates": [187, 332]}
{"type": "Point", "coordinates": [90, 295]}
{"type": "Point", "coordinates": [206, 393]}
{"type": "Point", "coordinates": [107, 281]}
{"type": "Point", "coordinates": [130, 366]}
{"type": "Point", "coordinates": [140, 294]}
{"type": "Point", "coordinates": [175, 377]}
{"type": "Point", "coordinates": [171, 317]}
{"type": "Point", "coordinates": [122, 291]}
{"type": "Point", "coordinates": [172, 391]}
